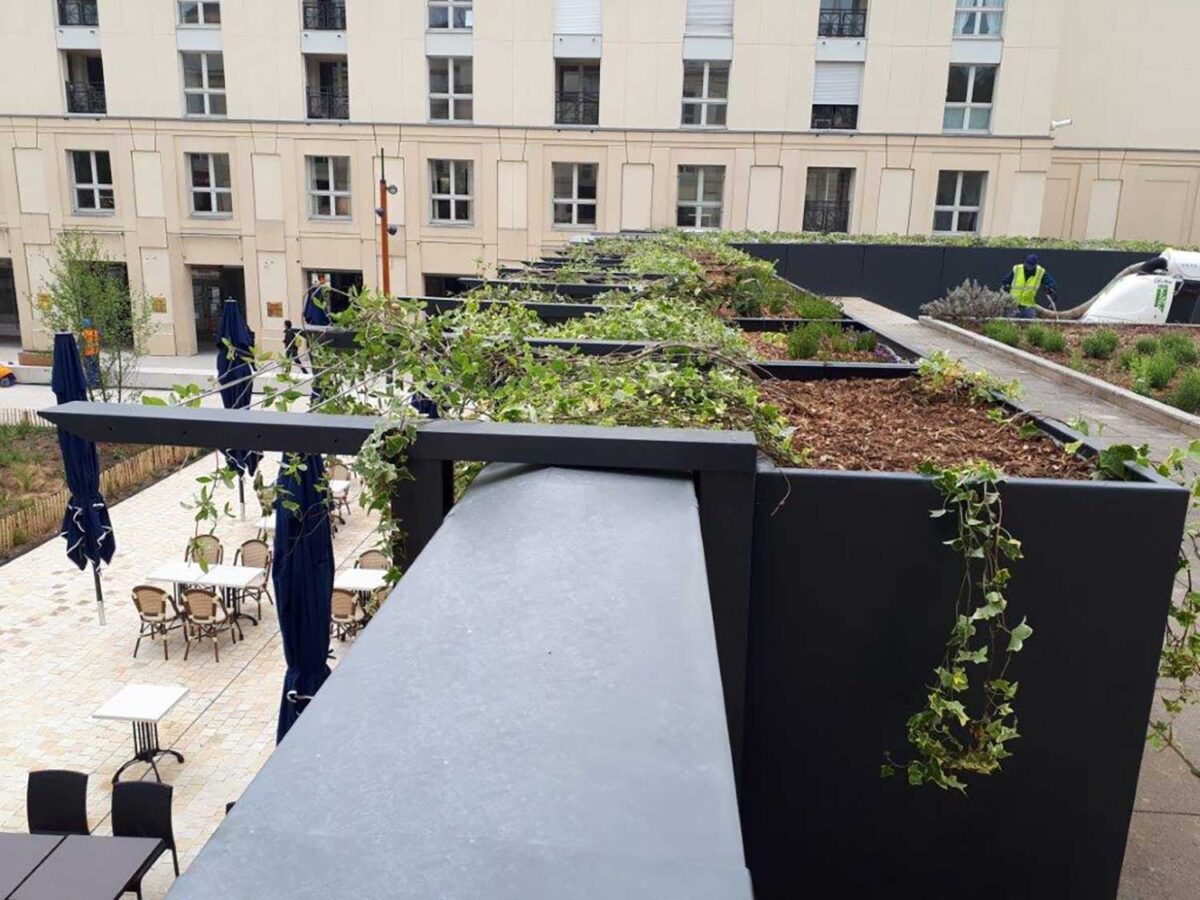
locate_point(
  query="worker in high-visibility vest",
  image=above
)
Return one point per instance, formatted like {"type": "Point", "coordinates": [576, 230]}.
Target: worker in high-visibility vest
{"type": "Point", "coordinates": [1023, 284]}
{"type": "Point", "coordinates": [91, 353]}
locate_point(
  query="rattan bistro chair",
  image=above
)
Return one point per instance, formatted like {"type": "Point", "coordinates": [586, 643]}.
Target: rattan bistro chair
{"type": "Point", "coordinates": [206, 549]}
{"type": "Point", "coordinates": [205, 616]}
{"type": "Point", "coordinates": [340, 500]}
{"type": "Point", "coordinates": [346, 617]}
{"type": "Point", "coordinates": [373, 559]}
{"type": "Point", "coordinates": [157, 615]}
{"type": "Point", "coordinates": [256, 553]}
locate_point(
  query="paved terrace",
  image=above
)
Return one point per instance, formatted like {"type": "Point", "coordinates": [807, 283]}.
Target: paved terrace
{"type": "Point", "coordinates": [1162, 858]}
{"type": "Point", "coordinates": [57, 666]}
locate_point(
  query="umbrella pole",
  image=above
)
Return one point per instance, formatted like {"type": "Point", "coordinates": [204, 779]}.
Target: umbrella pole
{"type": "Point", "coordinates": [242, 494]}
{"type": "Point", "coordinates": [99, 591]}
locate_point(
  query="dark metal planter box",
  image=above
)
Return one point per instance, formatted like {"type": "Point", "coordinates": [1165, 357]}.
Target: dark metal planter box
{"type": "Point", "coordinates": [579, 291]}
{"type": "Point", "coordinates": [852, 598]}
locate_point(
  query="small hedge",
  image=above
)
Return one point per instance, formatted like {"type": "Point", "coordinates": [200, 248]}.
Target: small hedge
{"type": "Point", "coordinates": [1004, 242]}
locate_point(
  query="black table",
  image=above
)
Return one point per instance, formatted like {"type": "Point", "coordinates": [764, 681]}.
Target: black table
{"type": "Point", "coordinates": [90, 867]}
{"type": "Point", "coordinates": [20, 854]}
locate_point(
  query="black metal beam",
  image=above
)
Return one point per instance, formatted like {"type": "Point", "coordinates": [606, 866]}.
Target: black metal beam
{"type": "Point", "coordinates": [593, 446]}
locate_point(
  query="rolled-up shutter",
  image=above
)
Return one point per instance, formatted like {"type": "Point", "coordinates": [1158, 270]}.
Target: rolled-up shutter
{"type": "Point", "coordinates": [709, 18]}
{"type": "Point", "coordinates": [577, 17]}
{"type": "Point", "coordinates": [838, 84]}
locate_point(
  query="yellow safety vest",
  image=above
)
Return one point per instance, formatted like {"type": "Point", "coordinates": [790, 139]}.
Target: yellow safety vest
{"type": "Point", "coordinates": [1023, 290]}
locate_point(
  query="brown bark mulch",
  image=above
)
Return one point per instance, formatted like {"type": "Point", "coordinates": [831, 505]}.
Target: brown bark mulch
{"type": "Point", "coordinates": [895, 425]}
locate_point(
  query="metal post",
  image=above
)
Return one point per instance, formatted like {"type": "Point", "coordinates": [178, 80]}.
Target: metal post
{"type": "Point", "coordinates": [99, 591]}
{"type": "Point", "coordinates": [383, 226]}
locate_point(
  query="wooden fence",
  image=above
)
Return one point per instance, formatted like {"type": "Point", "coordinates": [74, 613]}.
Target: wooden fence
{"type": "Point", "coordinates": [22, 417]}
{"type": "Point", "coordinates": [44, 516]}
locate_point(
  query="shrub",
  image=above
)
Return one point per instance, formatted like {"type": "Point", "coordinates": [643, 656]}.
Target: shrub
{"type": "Point", "coordinates": [1155, 371]}
{"type": "Point", "coordinates": [1187, 393]}
{"type": "Point", "coordinates": [1146, 346]}
{"type": "Point", "coordinates": [807, 340]}
{"type": "Point", "coordinates": [1036, 335]}
{"type": "Point", "coordinates": [1100, 345]}
{"type": "Point", "coordinates": [1004, 332]}
{"type": "Point", "coordinates": [1179, 346]}
{"type": "Point", "coordinates": [970, 300]}
{"type": "Point", "coordinates": [1054, 341]}
{"type": "Point", "coordinates": [1127, 359]}
{"type": "Point", "coordinates": [809, 306]}
{"type": "Point", "coordinates": [866, 342]}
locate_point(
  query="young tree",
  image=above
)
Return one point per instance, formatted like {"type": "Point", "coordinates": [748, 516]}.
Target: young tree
{"type": "Point", "coordinates": [88, 295]}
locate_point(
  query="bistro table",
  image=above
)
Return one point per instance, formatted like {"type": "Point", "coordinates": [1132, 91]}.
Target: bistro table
{"type": "Point", "coordinates": [144, 705]}
{"type": "Point", "coordinates": [362, 580]}
{"type": "Point", "coordinates": [88, 867]}
{"type": "Point", "coordinates": [20, 854]}
{"type": "Point", "coordinates": [231, 580]}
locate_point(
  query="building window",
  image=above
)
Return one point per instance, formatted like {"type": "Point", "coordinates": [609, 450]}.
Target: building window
{"type": "Point", "coordinates": [834, 118]}
{"type": "Point", "coordinates": [451, 86]}
{"type": "Point", "coordinates": [329, 187]}
{"type": "Point", "coordinates": [708, 18]}
{"type": "Point", "coordinates": [324, 15]}
{"type": "Point", "coordinates": [199, 12]}
{"type": "Point", "coordinates": [85, 83]}
{"type": "Point", "coordinates": [837, 90]}
{"type": "Point", "coordinates": [450, 191]}
{"type": "Point", "coordinates": [577, 97]}
{"type": "Point", "coordinates": [78, 13]}
{"type": "Point", "coordinates": [328, 88]}
{"type": "Point", "coordinates": [701, 193]}
{"type": "Point", "coordinates": [979, 18]}
{"type": "Point", "coordinates": [969, 94]}
{"type": "Point", "coordinates": [842, 18]}
{"type": "Point", "coordinates": [451, 15]}
{"type": "Point", "coordinates": [705, 93]}
{"type": "Point", "coordinates": [91, 182]}
{"type": "Point", "coordinates": [959, 202]}
{"type": "Point", "coordinates": [212, 194]}
{"type": "Point", "coordinates": [827, 200]}
{"type": "Point", "coordinates": [203, 84]}
{"type": "Point", "coordinates": [574, 194]}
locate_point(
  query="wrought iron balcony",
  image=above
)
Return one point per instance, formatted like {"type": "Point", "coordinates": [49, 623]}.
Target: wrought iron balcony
{"type": "Point", "coordinates": [835, 118]}
{"type": "Point", "coordinates": [326, 103]}
{"type": "Point", "coordinates": [576, 108]}
{"type": "Point", "coordinates": [86, 97]}
{"type": "Point", "coordinates": [78, 12]}
{"type": "Point", "coordinates": [323, 15]}
{"type": "Point", "coordinates": [826, 215]}
{"type": "Point", "coordinates": [850, 23]}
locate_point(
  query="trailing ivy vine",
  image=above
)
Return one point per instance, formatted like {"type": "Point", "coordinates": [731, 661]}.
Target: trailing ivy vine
{"type": "Point", "coordinates": [968, 718]}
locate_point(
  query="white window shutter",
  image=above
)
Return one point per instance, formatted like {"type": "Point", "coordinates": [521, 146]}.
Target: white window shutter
{"type": "Point", "coordinates": [838, 84]}
{"type": "Point", "coordinates": [578, 17]}
{"type": "Point", "coordinates": [709, 18]}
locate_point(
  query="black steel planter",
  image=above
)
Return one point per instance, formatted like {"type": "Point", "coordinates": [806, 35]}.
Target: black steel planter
{"type": "Point", "coordinates": [852, 597]}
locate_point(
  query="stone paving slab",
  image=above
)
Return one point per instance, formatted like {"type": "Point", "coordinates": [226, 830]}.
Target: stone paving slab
{"type": "Point", "coordinates": [57, 665]}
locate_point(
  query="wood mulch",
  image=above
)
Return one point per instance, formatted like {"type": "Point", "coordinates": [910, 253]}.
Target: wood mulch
{"type": "Point", "coordinates": [895, 425]}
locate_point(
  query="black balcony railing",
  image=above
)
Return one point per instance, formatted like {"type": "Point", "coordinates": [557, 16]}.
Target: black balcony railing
{"type": "Point", "coordinates": [324, 103]}
{"type": "Point", "coordinates": [573, 108]}
{"type": "Point", "coordinates": [851, 23]}
{"type": "Point", "coordinates": [86, 97]}
{"type": "Point", "coordinates": [321, 15]}
{"type": "Point", "coordinates": [78, 12]}
{"type": "Point", "coordinates": [842, 118]}
{"type": "Point", "coordinates": [826, 215]}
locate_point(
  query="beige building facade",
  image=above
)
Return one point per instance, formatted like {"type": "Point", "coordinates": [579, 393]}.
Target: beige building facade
{"type": "Point", "coordinates": [231, 147]}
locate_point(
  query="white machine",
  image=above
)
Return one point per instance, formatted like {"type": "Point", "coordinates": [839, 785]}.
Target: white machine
{"type": "Point", "coordinates": [1151, 293]}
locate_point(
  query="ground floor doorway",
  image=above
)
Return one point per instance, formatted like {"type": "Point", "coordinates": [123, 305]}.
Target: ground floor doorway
{"type": "Point", "coordinates": [211, 287]}
{"type": "Point", "coordinates": [10, 325]}
{"type": "Point", "coordinates": [344, 284]}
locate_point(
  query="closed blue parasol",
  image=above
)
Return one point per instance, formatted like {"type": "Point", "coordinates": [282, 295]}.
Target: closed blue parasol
{"type": "Point", "coordinates": [303, 579]}
{"type": "Point", "coordinates": [316, 311]}
{"type": "Point", "coordinates": [86, 526]}
{"type": "Point", "coordinates": [235, 374]}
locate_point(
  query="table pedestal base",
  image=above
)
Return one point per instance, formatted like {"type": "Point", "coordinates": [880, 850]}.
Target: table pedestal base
{"type": "Point", "coordinates": [146, 749]}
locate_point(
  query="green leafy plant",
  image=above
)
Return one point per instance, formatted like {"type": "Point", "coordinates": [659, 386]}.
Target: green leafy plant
{"type": "Point", "coordinates": [1181, 347]}
{"type": "Point", "coordinates": [1187, 392]}
{"type": "Point", "coordinates": [967, 722]}
{"type": "Point", "coordinates": [1154, 372]}
{"type": "Point", "coordinates": [1146, 346]}
{"type": "Point", "coordinates": [1046, 338]}
{"type": "Point", "coordinates": [1004, 332]}
{"type": "Point", "coordinates": [866, 341]}
{"type": "Point", "coordinates": [1100, 345]}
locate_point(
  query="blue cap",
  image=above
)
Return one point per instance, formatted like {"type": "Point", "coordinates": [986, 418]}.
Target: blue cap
{"type": "Point", "coordinates": [1031, 261]}
{"type": "Point", "coordinates": [87, 323]}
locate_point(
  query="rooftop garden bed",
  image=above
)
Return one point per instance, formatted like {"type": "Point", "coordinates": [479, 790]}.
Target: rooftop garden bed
{"type": "Point", "coordinates": [1161, 362]}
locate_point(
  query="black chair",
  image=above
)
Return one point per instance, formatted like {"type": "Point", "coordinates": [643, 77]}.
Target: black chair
{"type": "Point", "coordinates": [143, 809]}
{"type": "Point", "coordinates": [56, 802]}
